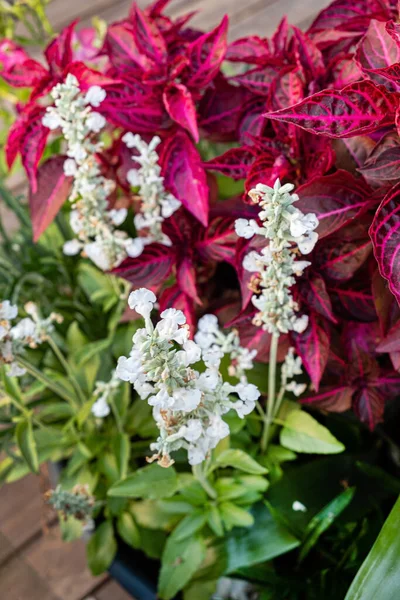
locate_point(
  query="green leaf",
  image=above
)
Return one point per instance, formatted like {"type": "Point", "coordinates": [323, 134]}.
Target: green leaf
{"type": "Point", "coordinates": [302, 433]}
{"type": "Point", "coordinates": [264, 541]}
{"type": "Point", "coordinates": [101, 548]}
{"type": "Point", "coordinates": [190, 525]}
{"type": "Point", "coordinates": [150, 482]}
{"type": "Point", "coordinates": [180, 561]}
{"type": "Point", "coordinates": [238, 459]}
{"type": "Point", "coordinates": [324, 519]}
{"type": "Point", "coordinates": [83, 355]}
{"type": "Point", "coordinates": [214, 521]}
{"type": "Point", "coordinates": [379, 575]}
{"type": "Point", "coordinates": [128, 530]}
{"type": "Point", "coordinates": [27, 445]}
{"type": "Point", "coordinates": [75, 338]}
{"type": "Point", "coordinates": [122, 450]}
{"type": "Point", "coordinates": [234, 516]}
{"type": "Point", "coordinates": [71, 528]}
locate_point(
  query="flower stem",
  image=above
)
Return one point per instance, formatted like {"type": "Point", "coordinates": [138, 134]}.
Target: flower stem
{"type": "Point", "coordinates": [273, 354]}
{"type": "Point", "coordinates": [202, 479]}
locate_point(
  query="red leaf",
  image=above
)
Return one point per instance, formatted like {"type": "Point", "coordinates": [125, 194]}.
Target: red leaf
{"type": "Point", "coordinates": [334, 399]}
{"type": "Point", "coordinates": [181, 108]}
{"type": "Point", "coordinates": [391, 343]}
{"type": "Point", "coordinates": [349, 16]}
{"type": "Point", "coordinates": [358, 108]}
{"type": "Point", "coordinates": [314, 293]}
{"type": "Point", "coordinates": [186, 278]}
{"type": "Point", "coordinates": [121, 47]}
{"type": "Point", "coordinates": [369, 405]}
{"type": "Point", "coordinates": [184, 175]}
{"type": "Point", "coordinates": [53, 190]}
{"type": "Point", "coordinates": [219, 241]}
{"type": "Point", "coordinates": [28, 137]}
{"type": "Point", "coordinates": [151, 268]}
{"type": "Point", "coordinates": [258, 80]}
{"type": "Point", "coordinates": [234, 163]}
{"type": "Point", "coordinates": [377, 49]}
{"type": "Point", "coordinates": [313, 347]}
{"type": "Point", "coordinates": [26, 74]}
{"type": "Point", "coordinates": [148, 37]}
{"type": "Point", "coordinates": [340, 261]}
{"type": "Point", "coordinates": [267, 169]}
{"type": "Point", "coordinates": [335, 199]}
{"type": "Point", "coordinates": [220, 109]}
{"type": "Point", "coordinates": [206, 55]}
{"type": "Point", "coordinates": [385, 235]}
{"type": "Point", "coordinates": [59, 52]}
{"type": "Point", "coordinates": [250, 49]}
{"type": "Point", "coordinates": [386, 167]}
{"type": "Point", "coordinates": [353, 304]}
{"type": "Point", "coordinates": [287, 89]}
{"type": "Point", "coordinates": [310, 56]}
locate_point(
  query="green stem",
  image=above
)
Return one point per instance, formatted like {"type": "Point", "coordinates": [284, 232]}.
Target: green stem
{"type": "Point", "coordinates": [202, 479]}
{"type": "Point", "coordinates": [273, 354]}
{"type": "Point", "coordinates": [67, 369]}
{"type": "Point", "coordinates": [46, 380]}
{"type": "Point", "coordinates": [14, 205]}
{"type": "Point", "coordinates": [118, 421]}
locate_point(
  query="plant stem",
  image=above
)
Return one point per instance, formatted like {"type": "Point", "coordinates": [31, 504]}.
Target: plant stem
{"type": "Point", "coordinates": [118, 421]}
{"type": "Point", "coordinates": [273, 354]}
{"type": "Point", "coordinates": [202, 479]}
{"type": "Point", "coordinates": [52, 385]}
{"type": "Point", "coordinates": [67, 369]}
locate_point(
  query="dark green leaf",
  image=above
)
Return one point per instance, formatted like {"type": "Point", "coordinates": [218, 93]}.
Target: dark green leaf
{"type": "Point", "coordinates": [151, 482]}
{"type": "Point", "coordinates": [27, 445]}
{"type": "Point", "coordinates": [128, 530]}
{"type": "Point", "coordinates": [180, 561]}
{"type": "Point", "coordinates": [101, 548]}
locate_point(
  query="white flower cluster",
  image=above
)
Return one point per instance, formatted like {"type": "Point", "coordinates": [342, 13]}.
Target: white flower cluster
{"type": "Point", "coordinates": [104, 392]}
{"type": "Point", "coordinates": [90, 218]}
{"type": "Point", "coordinates": [156, 204]}
{"type": "Point", "coordinates": [289, 232]}
{"type": "Point", "coordinates": [27, 332]}
{"type": "Point", "coordinates": [291, 367]}
{"type": "Point", "coordinates": [187, 404]}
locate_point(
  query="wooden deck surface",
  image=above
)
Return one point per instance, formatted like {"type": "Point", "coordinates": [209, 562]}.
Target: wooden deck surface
{"type": "Point", "coordinates": [34, 563]}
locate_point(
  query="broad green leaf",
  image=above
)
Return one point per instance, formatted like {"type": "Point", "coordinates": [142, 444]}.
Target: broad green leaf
{"type": "Point", "coordinates": [214, 521]}
{"type": "Point", "coordinates": [128, 530]}
{"type": "Point", "coordinates": [83, 355]}
{"type": "Point", "coordinates": [302, 433]}
{"type": "Point", "coordinates": [96, 285]}
{"type": "Point", "coordinates": [54, 411]}
{"type": "Point", "coordinates": [180, 561]}
{"type": "Point", "coordinates": [71, 528]}
{"type": "Point", "coordinates": [12, 389]}
{"type": "Point", "coordinates": [234, 516]}
{"type": "Point", "coordinates": [190, 525]}
{"type": "Point", "coordinates": [101, 548]}
{"type": "Point", "coordinates": [264, 541]}
{"type": "Point", "coordinates": [324, 519]}
{"type": "Point", "coordinates": [75, 338]}
{"type": "Point", "coordinates": [238, 459]}
{"type": "Point", "coordinates": [27, 445]}
{"type": "Point", "coordinates": [151, 482]}
{"type": "Point", "coordinates": [379, 575]}
{"type": "Point", "coordinates": [152, 515]}
{"type": "Point", "coordinates": [121, 447]}
{"type": "Point", "coordinates": [200, 590]}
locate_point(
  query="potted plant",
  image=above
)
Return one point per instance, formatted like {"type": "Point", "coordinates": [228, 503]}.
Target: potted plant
{"type": "Point", "coordinates": [199, 317]}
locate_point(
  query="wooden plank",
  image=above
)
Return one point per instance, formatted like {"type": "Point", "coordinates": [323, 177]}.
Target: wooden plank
{"type": "Point", "coordinates": [62, 566]}
{"type": "Point", "coordinates": [110, 591]}
{"type": "Point", "coordinates": [19, 581]}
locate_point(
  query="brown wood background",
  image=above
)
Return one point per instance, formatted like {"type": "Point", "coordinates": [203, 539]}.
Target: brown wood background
{"type": "Point", "coordinates": [34, 563]}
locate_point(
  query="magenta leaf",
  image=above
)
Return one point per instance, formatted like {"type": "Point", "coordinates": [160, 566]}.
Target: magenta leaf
{"type": "Point", "coordinates": [385, 235]}
{"type": "Point", "coordinates": [250, 49]}
{"type": "Point", "coordinates": [27, 73]}
{"type": "Point", "coordinates": [334, 399]}
{"type": "Point", "coordinates": [391, 342]}
{"type": "Point", "coordinates": [377, 48]}
{"type": "Point", "coordinates": [358, 108]}
{"type": "Point", "coordinates": [121, 47]}
{"type": "Point", "coordinates": [369, 405]}
{"type": "Point", "coordinates": [335, 199]}
{"type": "Point", "coordinates": [234, 163]}
{"type": "Point", "coordinates": [59, 52]}
{"type": "Point", "coordinates": [184, 175]}
{"type": "Point", "coordinates": [314, 294]}
{"type": "Point", "coordinates": [339, 261]}
{"type": "Point", "coordinates": [386, 167]}
{"type": "Point", "coordinates": [148, 37]}
{"type": "Point", "coordinates": [206, 55]}
{"type": "Point", "coordinates": [258, 80]}
{"type": "Point", "coordinates": [352, 303]}
{"type": "Point", "coordinates": [181, 108]}
{"type": "Point", "coordinates": [313, 347]}
{"type": "Point", "coordinates": [218, 242]}
{"type": "Point", "coordinates": [349, 16]}
{"type": "Point", "coordinates": [310, 56]}
{"type": "Point", "coordinates": [186, 279]}
{"type": "Point", "coordinates": [221, 108]}
{"type": "Point", "coordinates": [151, 268]}
{"type": "Point", "coordinates": [287, 89]}
{"type": "Point", "coordinates": [52, 191]}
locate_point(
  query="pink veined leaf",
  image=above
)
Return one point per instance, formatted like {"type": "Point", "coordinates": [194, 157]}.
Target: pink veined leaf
{"type": "Point", "coordinates": [186, 279]}
{"type": "Point", "coordinates": [386, 167]}
{"type": "Point", "coordinates": [255, 338]}
{"type": "Point", "coordinates": [309, 55]}
{"type": "Point", "coordinates": [390, 73]}
{"type": "Point", "coordinates": [11, 54]}
{"type": "Point", "coordinates": [360, 107]}
{"type": "Point", "coordinates": [258, 80]}
{"type": "Point", "coordinates": [121, 47]}
{"type": "Point", "coordinates": [32, 145]}
{"type": "Point", "coordinates": [234, 163]}
{"type": "Point", "coordinates": [386, 305]}
{"type": "Point", "coordinates": [88, 77]}
{"type": "Point", "coordinates": [393, 29]}
{"type": "Point", "coordinates": [148, 37]}
{"type": "Point", "coordinates": [377, 49]}
{"type": "Point", "coordinates": [336, 199]}
{"type": "Point", "coordinates": [385, 235]}
{"type": "Point", "coordinates": [181, 108]}
{"type": "Point", "coordinates": [287, 89]}
{"type": "Point", "coordinates": [59, 52]}
{"type": "Point", "coordinates": [184, 175]}
{"type": "Point", "coordinates": [334, 399]}
{"type": "Point", "coordinates": [349, 16]}
{"type": "Point", "coordinates": [313, 347]}
{"type": "Point", "coordinates": [156, 8]}
{"type": "Point", "coordinates": [267, 170]}
{"type": "Point", "coordinates": [151, 268]}
{"type": "Point", "coordinates": [339, 261]}
{"type": "Point", "coordinates": [353, 304]}
{"type": "Point", "coordinates": [343, 71]}
{"type": "Point", "coordinates": [252, 50]}
{"type": "Point", "coordinates": [26, 74]}
{"type": "Point", "coordinates": [206, 55]}
{"type": "Point", "coordinates": [84, 44]}
{"type": "Point", "coordinates": [314, 294]}
{"type": "Point", "coordinates": [280, 38]}
{"type": "Point", "coordinates": [53, 190]}
{"type": "Point", "coordinates": [369, 405]}
{"type": "Point", "coordinates": [391, 342]}
{"type": "Point", "coordinates": [218, 242]}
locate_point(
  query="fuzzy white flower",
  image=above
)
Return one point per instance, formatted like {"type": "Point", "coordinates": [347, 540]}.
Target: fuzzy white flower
{"type": "Point", "coordinates": [95, 95]}
{"type": "Point", "coordinates": [246, 228]}
{"type": "Point", "coordinates": [142, 300]}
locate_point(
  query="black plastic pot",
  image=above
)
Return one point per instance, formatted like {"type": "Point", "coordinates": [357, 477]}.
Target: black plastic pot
{"type": "Point", "coordinates": [136, 573]}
